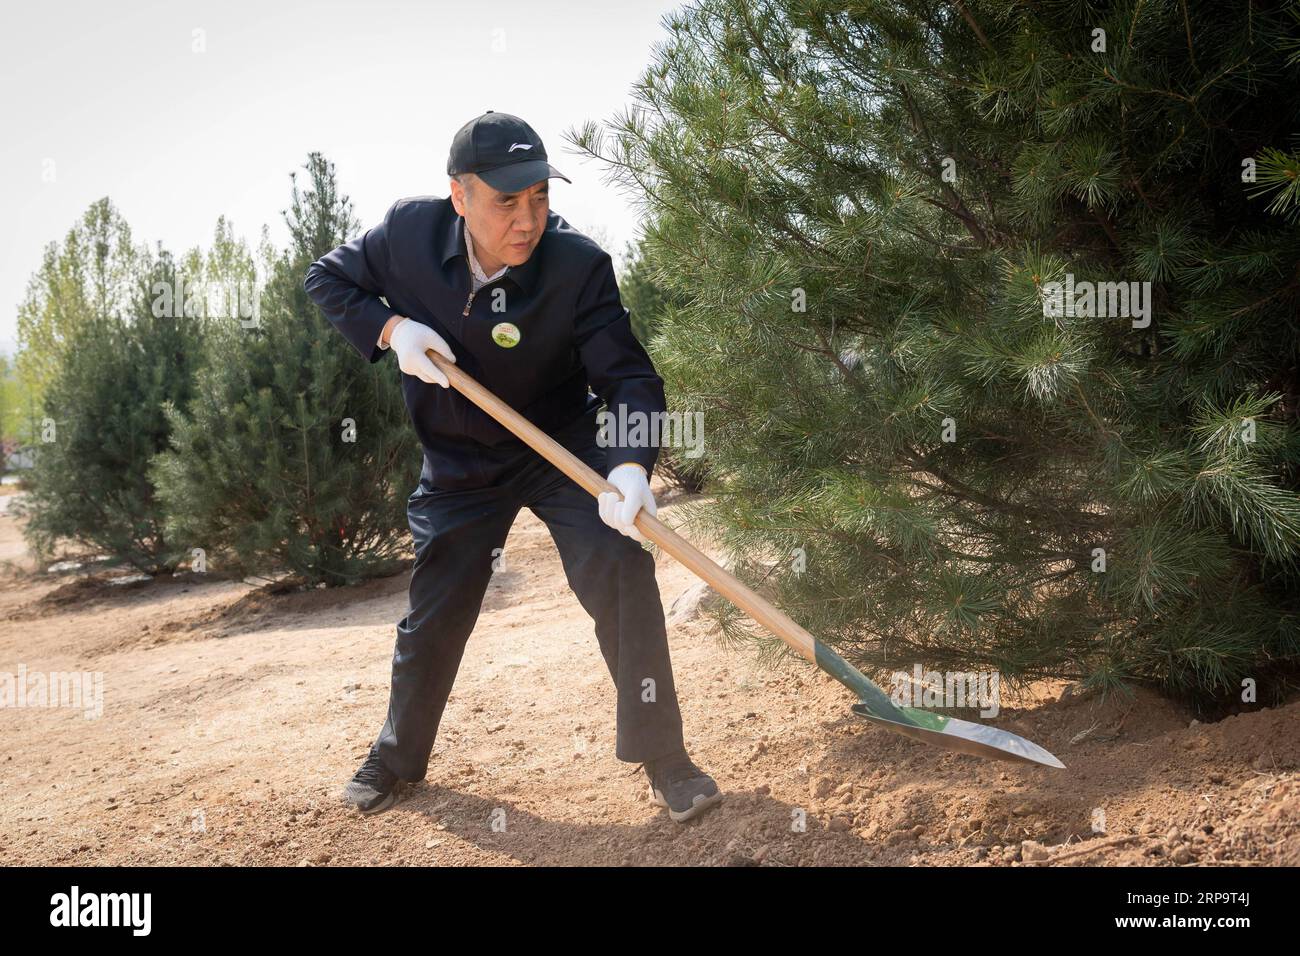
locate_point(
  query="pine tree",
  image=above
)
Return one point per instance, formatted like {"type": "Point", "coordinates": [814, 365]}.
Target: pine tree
{"type": "Point", "coordinates": [293, 456]}
{"type": "Point", "coordinates": [644, 295]}
{"type": "Point", "coordinates": [865, 208]}
{"type": "Point", "coordinates": [646, 298]}
{"type": "Point", "coordinates": [104, 413]}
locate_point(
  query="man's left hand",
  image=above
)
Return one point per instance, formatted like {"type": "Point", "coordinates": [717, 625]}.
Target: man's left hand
{"type": "Point", "coordinates": [633, 484]}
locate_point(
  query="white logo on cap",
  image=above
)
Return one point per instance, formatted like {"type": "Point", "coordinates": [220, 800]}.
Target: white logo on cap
{"type": "Point", "coordinates": [515, 146]}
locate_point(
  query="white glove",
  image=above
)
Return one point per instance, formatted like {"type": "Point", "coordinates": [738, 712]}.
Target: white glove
{"type": "Point", "coordinates": [410, 340]}
{"type": "Point", "coordinates": [633, 484]}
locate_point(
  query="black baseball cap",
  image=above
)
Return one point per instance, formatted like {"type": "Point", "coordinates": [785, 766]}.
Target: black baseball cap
{"type": "Point", "coordinates": [503, 151]}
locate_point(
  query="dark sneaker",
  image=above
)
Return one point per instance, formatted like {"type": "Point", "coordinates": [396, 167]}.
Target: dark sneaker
{"type": "Point", "coordinates": [685, 789]}
{"type": "Point", "coordinates": [375, 788]}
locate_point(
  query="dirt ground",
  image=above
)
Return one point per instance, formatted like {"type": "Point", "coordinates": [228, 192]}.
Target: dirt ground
{"type": "Point", "coordinates": [232, 717]}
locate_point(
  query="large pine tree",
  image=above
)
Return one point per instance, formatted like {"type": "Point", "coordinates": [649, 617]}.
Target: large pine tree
{"type": "Point", "coordinates": [866, 206]}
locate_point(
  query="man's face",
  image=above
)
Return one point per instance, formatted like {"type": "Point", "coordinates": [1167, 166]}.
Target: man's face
{"type": "Point", "coordinates": [506, 226]}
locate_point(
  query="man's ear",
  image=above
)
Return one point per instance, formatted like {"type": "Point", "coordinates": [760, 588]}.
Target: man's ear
{"type": "Point", "coordinates": [458, 197]}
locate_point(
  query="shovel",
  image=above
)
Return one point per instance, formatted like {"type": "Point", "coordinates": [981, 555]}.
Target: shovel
{"type": "Point", "coordinates": [874, 704]}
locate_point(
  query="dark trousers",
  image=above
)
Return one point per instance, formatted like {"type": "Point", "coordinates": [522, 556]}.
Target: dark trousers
{"type": "Point", "coordinates": [613, 577]}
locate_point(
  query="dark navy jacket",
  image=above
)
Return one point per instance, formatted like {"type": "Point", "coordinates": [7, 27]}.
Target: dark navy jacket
{"type": "Point", "coordinates": [564, 300]}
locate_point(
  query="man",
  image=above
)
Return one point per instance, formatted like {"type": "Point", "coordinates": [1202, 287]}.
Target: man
{"type": "Point", "coordinates": [493, 280]}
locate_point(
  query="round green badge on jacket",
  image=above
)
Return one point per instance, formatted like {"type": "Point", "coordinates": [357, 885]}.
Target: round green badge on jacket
{"type": "Point", "coordinates": [505, 334]}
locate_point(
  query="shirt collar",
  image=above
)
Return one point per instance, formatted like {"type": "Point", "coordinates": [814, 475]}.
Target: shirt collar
{"type": "Point", "coordinates": [453, 244]}
{"type": "Point", "coordinates": [479, 273]}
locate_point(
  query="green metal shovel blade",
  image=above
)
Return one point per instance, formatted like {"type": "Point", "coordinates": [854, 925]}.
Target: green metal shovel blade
{"type": "Point", "coordinates": [963, 736]}
{"type": "Point", "coordinates": [927, 726]}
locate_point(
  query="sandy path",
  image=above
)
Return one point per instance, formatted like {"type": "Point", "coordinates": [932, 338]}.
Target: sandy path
{"type": "Point", "coordinates": [231, 719]}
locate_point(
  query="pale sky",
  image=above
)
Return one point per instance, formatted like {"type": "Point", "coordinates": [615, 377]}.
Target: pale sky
{"type": "Point", "coordinates": [114, 99]}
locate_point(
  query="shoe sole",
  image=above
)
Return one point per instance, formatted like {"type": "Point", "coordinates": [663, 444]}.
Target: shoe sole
{"type": "Point", "coordinates": [700, 804]}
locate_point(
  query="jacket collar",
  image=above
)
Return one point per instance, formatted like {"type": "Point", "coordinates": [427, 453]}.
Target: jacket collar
{"type": "Point", "coordinates": [453, 244]}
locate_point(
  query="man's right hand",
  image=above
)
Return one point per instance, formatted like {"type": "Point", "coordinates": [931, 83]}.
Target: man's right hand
{"type": "Point", "coordinates": [410, 340]}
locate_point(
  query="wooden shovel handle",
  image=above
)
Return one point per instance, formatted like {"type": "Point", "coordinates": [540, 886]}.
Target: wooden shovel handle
{"type": "Point", "coordinates": [721, 580]}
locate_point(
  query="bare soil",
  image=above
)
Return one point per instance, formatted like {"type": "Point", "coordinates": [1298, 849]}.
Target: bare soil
{"type": "Point", "coordinates": [233, 716]}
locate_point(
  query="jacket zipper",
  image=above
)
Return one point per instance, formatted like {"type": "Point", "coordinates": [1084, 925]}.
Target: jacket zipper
{"type": "Point", "coordinates": [464, 422]}
{"type": "Point", "coordinates": [473, 292]}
